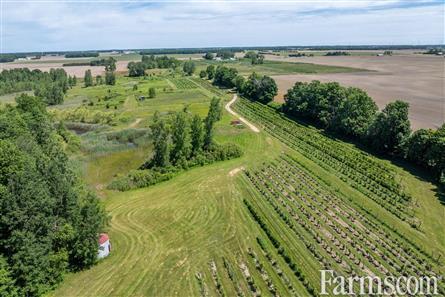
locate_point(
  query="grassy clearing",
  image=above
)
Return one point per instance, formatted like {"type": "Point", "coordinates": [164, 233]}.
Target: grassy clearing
{"type": "Point", "coordinates": [277, 67]}
{"type": "Point", "coordinates": [193, 234]}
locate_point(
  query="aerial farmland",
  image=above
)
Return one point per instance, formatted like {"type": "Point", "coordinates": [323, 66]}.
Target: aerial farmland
{"type": "Point", "coordinates": [129, 169]}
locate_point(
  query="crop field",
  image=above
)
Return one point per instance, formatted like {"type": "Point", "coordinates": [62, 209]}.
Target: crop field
{"type": "Point", "coordinates": [264, 224]}
{"type": "Point", "coordinates": [416, 79]}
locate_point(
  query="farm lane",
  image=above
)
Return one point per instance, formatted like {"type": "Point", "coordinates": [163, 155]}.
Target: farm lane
{"type": "Point", "coordinates": [251, 126]}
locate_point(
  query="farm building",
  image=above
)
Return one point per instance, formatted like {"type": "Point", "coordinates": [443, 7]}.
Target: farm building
{"type": "Point", "coordinates": [104, 246]}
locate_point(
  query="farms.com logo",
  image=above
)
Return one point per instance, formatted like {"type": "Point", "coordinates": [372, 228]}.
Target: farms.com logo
{"type": "Point", "coordinates": [338, 285]}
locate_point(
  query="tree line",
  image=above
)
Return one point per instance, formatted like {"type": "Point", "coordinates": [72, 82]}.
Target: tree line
{"type": "Point", "coordinates": [254, 57]}
{"type": "Point", "coordinates": [50, 222]}
{"type": "Point", "coordinates": [82, 55]}
{"type": "Point", "coordinates": [110, 76]}
{"type": "Point", "coordinates": [352, 113]}
{"type": "Point", "coordinates": [151, 62]}
{"type": "Point", "coordinates": [51, 86]}
{"type": "Point", "coordinates": [256, 87]}
{"type": "Point", "coordinates": [180, 142]}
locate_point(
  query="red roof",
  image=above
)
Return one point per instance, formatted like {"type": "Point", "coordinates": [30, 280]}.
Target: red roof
{"type": "Point", "coordinates": [103, 237]}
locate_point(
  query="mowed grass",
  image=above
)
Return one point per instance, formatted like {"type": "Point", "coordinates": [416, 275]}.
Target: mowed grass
{"type": "Point", "coordinates": [245, 67]}
{"type": "Point", "coordinates": [163, 235]}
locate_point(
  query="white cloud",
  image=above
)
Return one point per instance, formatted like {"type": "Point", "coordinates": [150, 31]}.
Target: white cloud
{"type": "Point", "coordinates": [75, 26]}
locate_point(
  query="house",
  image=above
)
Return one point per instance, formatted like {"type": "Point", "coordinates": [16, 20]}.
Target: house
{"type": "Point", "coordinates": [104, 246]}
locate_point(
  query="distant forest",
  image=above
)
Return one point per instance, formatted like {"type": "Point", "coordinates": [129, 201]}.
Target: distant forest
{"type": "Point", "coordinates": [9, 57]}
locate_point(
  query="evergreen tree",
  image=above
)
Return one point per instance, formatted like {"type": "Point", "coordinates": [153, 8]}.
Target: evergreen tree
{"type": "Point", "coordinates": [88, 79]}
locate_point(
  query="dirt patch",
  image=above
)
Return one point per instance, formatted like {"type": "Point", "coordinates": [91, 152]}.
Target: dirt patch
{"type": "Point", "coordinates": [235, 171]}
{"type": "Point", "coordinates": [416, 79]}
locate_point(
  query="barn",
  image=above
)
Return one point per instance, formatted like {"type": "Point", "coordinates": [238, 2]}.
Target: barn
{"type": "Point", "coordinates": [104, 246]}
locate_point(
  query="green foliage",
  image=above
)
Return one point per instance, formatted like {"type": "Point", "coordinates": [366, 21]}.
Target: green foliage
{"type": "Point", "coordinates": [189, 67]}
{"type": "Point", "coordinates": [99, 80]}
{"type": "Point", "coordinates": [255, 58]}
{"type": "Point", "coordinates": [257, 88]}
{"type": "Point", "coordinates": [355, 113]}
{"type": "Point", "coordinates": [426, 147]}
{"type": "Point", "coordinates": [50, 86]}
{"type": "Point", "coordinates": [49, 221]}
{"type": "Point", "coordinates": [160, 136]}
{"type": "Point", "coordinates": [152, 92]}
{"type": "Point", "coordinates": [202, 74]}
{"type": "Point", "coordinates": [7, 286]}
{"type": "Point", "coordinates": [209, 56]}
{"type": "Point", "coordinates": [81, 54]}
{"type": "Point", "coordinates": [180, 151]}
{"type": "Point", "coordinates": [391, 128]}
{"type": "Point", "coordinates": [214, 115]}
{"type": "Point", "coordinates": [197, 135]}
{"type": "Point", "coordinates": [136, 69]}
{"type": "Point", "coordinates": [210, 70]}
{"type": "Point", "coordinates": [223, 54]}
{"type": "Point", "coordinates": [146, 177]}
{"type": "Point", "coordinates": [110, 78]}
{"type": "Point", "coordinates": [225, 77]}
{"type": "Point", "coordinates": [88, 79]}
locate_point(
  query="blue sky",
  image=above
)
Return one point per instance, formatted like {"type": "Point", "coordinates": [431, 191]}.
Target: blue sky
{"type": "Point", "coordinates": [35, 25]}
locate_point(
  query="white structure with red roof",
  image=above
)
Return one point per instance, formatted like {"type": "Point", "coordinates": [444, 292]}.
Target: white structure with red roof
{"type": "Point", "coordinates": [104, 246]}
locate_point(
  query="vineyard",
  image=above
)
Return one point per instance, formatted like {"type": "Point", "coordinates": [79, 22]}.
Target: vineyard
{"type": "Point", "coordinates": [357, 168]}
{"type": "Point", "coordinates": [182, 83]}
{"type": "Point", "coordinates": [338, 236]}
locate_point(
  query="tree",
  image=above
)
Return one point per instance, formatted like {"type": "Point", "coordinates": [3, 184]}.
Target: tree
{"type": "Point", "coordinates": [88, 79]}
{"type": "Point", "coordinates": [197, 135]}
{"type": "Point", "coordinates": [49, 220]}
{"type": "Point", "coordinates": [209, 56]}
{"type": "Point", "coordinates": [152, 92]}
{"type": "Point", "coordinates": [210, 71]}
{"type": "Point", "coordinates": [239, 83]}
{"type": "Point", "coordinates": [214, 115]}
{"type": "Point", "coordinates": [202, 74]}
{"type": "Point", "coordinates": [110, 78]}
{"type": "Point", "coordinates": [160, 135]}
{"type": "Point", "coordinates": [225, 77]}
{"type": "Point", "coordinates": [110, 64]}
{"type": "Point", "coordinates": [74, 80]}
{"type": "Point", "coordinates": [262, 89]}
{"type": "Point", "coordinates": [189, 67]}
{"type": "Point", "coordinates": [99, 80]}
{"type": "Point", "coordinates": [391, 128]}
{"type": "Point", "coordinates": [355, 114]}
{"type": "Point", "coordinates": [180, 139]}
{"type": "Point", "coordinates": [7, 286]}
{"type": "Point", "coordinates": [136, 69]}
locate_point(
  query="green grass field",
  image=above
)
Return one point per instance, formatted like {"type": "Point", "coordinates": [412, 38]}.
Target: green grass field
{"type": "Point", "coordinates": [194, 236]}
{"type": "Point", "coordinates": [245, 67]}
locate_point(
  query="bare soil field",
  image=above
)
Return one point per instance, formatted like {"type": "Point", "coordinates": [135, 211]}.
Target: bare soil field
{"type": "Point", "coordinates": [417, 79]}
